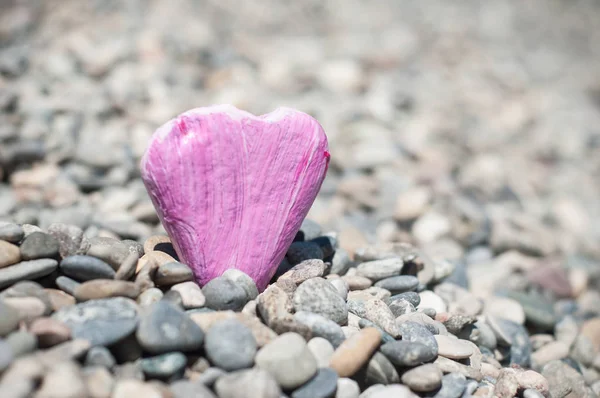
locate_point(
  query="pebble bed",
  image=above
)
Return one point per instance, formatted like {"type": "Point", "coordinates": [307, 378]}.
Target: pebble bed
{"type": "Point", "coordinates": [452, 251]}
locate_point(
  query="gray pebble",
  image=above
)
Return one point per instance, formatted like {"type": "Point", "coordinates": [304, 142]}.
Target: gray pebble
{"type": "Point", "coordinates": [365, 323]}
{"type": "Point", "coordinates": [190, 389]}
{"type": "Point", "coordinates": [321, 327]}
{"type": "Point", "coordinates": [209, 376]}
{"type": "Point", "coordinates": [230, 345]}
{"type": "Point", "coordinates": [406, 353]}
{"type": "Point", "coordinates": [86, 268]}
{"type": "Point", "coordinates": [310, 229]}
{"type": "Point", "coordinates": [249, 383]}
{"type": "Point", "coordinates": [380, 269]}
{"type": "Point", "coordinates": [6, 355]}
{"type": "Point", "coordinates": [166, 366]}
{"type": "Point", "coordinates": [67, 284]}
{"type": "Point", "coordinates": [322, 350]}
{"type": "Point", "coordinates": [109, 250]}
{"type": "Point", "coordinates": [10, 232]}
{"type": "Point", "coordinates": [379, 370]}
{"type": "Point", "coordinates": [319, 296]}
{"type": "Point", "coordinates": [341, 286]}
{"type": "Point", "coordinates": [377, 312]}
{"type": "Point", "coordinates": [399, 284]}
{"type": "Point", "coordinates": [538, 310]}
{"type": "Point", "coordinates": [347, 388]}
{"type": "Point", "coordinates": [242, 279]}
{"type": "Point", "coordinates": [520, 345]}
{"type": "Point", "coordinates": [101, 322]}
{"type": "Point", "coordinates": [415, 332]}
{"type": "Point", "coordinates": [164, 328]}
{"type": "Point", "coordinates": [26, 270]}
{"type": "Point", "coordinates": [223, 294]}
{"type": "Point", "coordinates": [69, 238]}
{"type": "Point", "coordinates": [22, 343]}
{"type": "Point", "coordinates": [39, 245]}
{"type": "Point", "coordinates": [171, 273]}
{"type": "Point", "coordinates": [303, 271]}
{"type": "Point", "coordinates": [127, 268]}
{"type": "Point", "coordinates": [341, 262]}
{"type": "Point", "coordinates": [173, 297]}
{"type": "Point", "coordinates": [150, 296]}
{"type": "Point", "coordinates": [453, 386]}
{"type": "Point", "coordinates": [400, 307]}
{"type": "Point", "coordinates": [300, 251]}
{"type": "Point", "coordinates": [412, 297]}
{"type": "Point", "coordinates": [100, 356]}
{"type": "Point", "coordinates": [9, 319]}
{"type": "Point", "coordinates": [423, 378]}
{"type": "Point", "coordinates": [322, 385]}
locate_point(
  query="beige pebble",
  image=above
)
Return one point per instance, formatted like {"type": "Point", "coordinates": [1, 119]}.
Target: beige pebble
{"type": "Point", "coordinates": [152, 241]}
{"type": "Point", "coordinates": [158, 257]}
{"type": "Point", "coordinates": [355, 351]}
{"type": "Point", "coordinates": [59, 299]}
{"type": "Point", "coordinates": [9, 254]}
{"type": "Point", "coordinates": [453, 348]}
{"type": "Point", "coordinates": [50, 331]}
{"type": "Point", "coordinates": [103, 288]}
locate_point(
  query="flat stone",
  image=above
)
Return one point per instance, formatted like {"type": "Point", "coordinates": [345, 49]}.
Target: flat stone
{"type": "Point", "coordinates": [164, 328]}
{"type": "Point", "coordinates": [377, 312]}
{"type": "Point", "coordinates": [380, 269]}
{"type": "Point", "coordinates": [67, 284]}
{"type": "Point", "coordinates": [412, 297]}
{"type": "Point", "coordinates": [370, 293]}
{"type": "Point", "coordinates": [305, 270]}
{"type": "Point", "coordinates": [423, 378]}
{"type": "Point", "coordinates": [230, 345]}
{"type": "Point", "coordinates": [99, 382]}
{"type": "Point", "coordinates": [39, 245]}
{"type": "Point", "coordinates": [241, 279]}
{"type": "Point", "coordinates": [321, 327]}
{"type": "Point", "coordinates": [379, 370]}
{"type": "Point", "coordinates": [85, 268]}
{"type": "Point", "coordinates": [319, 296]}
{"type": "Point", "coordinates": [530, 379]}
{"type": "Point", "coordinates": [322, 385]}
{"type": "Point", "coordinates": [224, 294]}
{"type": "Point", "coordinates": [50, 331]}
{"type": "Point", "coordinates": [164, 366]}
{"type": "Point", "coordinates": [354, 352]}
{"type": "Point", "coordinates": [406, 353]}
{"type": "Point", "coordinates": [452, 348]}
{"type": "Point", "coordinates": [563, 380]}
{"type": "Point", "coordinates": [104, 288]}
{"type": "Point", "coordinates": [9, 254]}
{"type": "Point", "coordinates": [398, 284]}
{"type": "Point", "coordinates": [549, 352]}
{"type": "Point", "coordinates": [288, 359]}
{"type": "Point", "coordinates": [10, 232]}
{"type": "Point", "coordinates": [247, 384]}
{"type": "Point", "coordinates": [69, 238]}
{"type": "Point", "coordinates": [322, 350]}
{"type": "Point", "coordinates": [418, 333]}
{"type": "Point", "coordinates": [450, 366]}
{"type": "Point", "coordinates": [357, 282]}
{"type": "Point", "coordinates": [191, 294]}
{"type": "Point", "coordinates": [110, 250]}
{"type": "Point", "coordinates": [59, 299]}
{"type": "Point", "coordinates": [171, 273]}
{"type": "Point", "coordinates": [9, 318]}
{"type": "Point", "coordinates": [28, 308]}
{"type": "Point", "coordinates": [101, 322]}
{"type": "Point", "coordinates": [26, 270]}
{"type": "Point", "coordinates": [127, 268]}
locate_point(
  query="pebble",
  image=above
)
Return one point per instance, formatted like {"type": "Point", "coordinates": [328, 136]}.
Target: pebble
{"type": "Point", "coordinates": [405, 353]}
{"type": "Point", "coordinates": [520, 345]}
{"type": "Point", "coordinates": [156, 258]}
{"type": "Point", "coordinates": [538, 310]}
{"type": "Point", "coordinates": [319, 296]}
{"type": "Point", "coordinates": [149, 296]}
{"type": "Point", "coordinates": [230, 345]}
{"type": "Point", "coordinates": [453, 348]}
{"type": "Point", "coordinates": [451, 366]}
{"type": "Point", "coordinates": [165, 328]}
{"type": "Point", "coordinates": [189, 389]}
{"type": "Point", "coordinates": [301, 251]}
{"type": "Point", "coordinates": [127, 268]}
{"type": "Point", "coordinates": [69, 238]}
{"type": "Point", "coordinates": [164, 366]}
{"type": "Point", "coordinates": [322, 385]}
{"type": "Point", "coordinates": [28, 308]}
{"type": "Point", "coordinates": [39, 245]}
{"type": "Point", "coordinates": [357, 282]}
{"type": "Point", "coordinates": [9, 254]}
{"type": "Point", "coordinates": [11, 233]}
{"type": "Point", "coordinates": [393, 391]}
{"type": "Point", "coordinates": [591, 330]}
{"type": "Point", "coordinates": [85, 268]}
{"type": "Point", "coordinates": [191, 294]}
{"type": "Point", "coordinates": [377, 312]}
{"type": "Point", "coordinates": [101, 322]}
{"type": "Point", "coordinates": [67, 284]}
{"type": "Point", "coordinates": [100, 356]}
{"type": "Point", "coordinates": [322, 350]}
{"type": "Point", "coordinates": [62, 380]}
{"type": "Point", "coordinates": [412, 297]}
{"type": "Point", "coordinates": [104, 288]}
{"type": "Point", "coordinates": [110, 250]}
{"type": "Point", "coordinates": [423, 378]}
{"type": "Point", "coordinates": [354, 352]}
{"type": "Point", "coordinates": [398, 284]}
{"type": "Point", "coordinates": [59, 299]}
{"type": "Point", "coordinates": [126, 388]}
{"type": "Point", "coordinates": [171, 273]}
{"type": "Point", "coordinates": [99, 382]}
{"type": "Point", "coordinates": [347, 388]}
{"type": "Point", "coordinates": [341, 262]}
{"type": "Point", "coordinates": [418, 333]}
{"type": "Point", "coordinates": [26, 270]}
{"type": "Point", "coordinates": [249, 383]}
{"type": "Point", "coordinates": [288, 359]}
{"type": "Point", "coordinates": [9, 318]}
{"type": "Point", "coordinates": [22, 343]}
{"type": "Point", "coordinates": [242, 279]}
{"type": "Point", "coordinates": [49, 332]}
{"type": "Point", "coordinates": [380, 269]}
{"type": "Point", "coordinates": [305, 270]}
{"type": "Point", "coordinates": [563, 380]}
{"type": "Point", "coordinates": [310, 229]}
{"type": "Point", "coordinates": [549, 352]}
{"type": "Point", "coordinates": [530, 379]}
{"type": "Point", "coordinates": [453, 386]}
{"type": "Point", "coordinates": [223, 294]}
{"type": "Point", "coordinates": [431, 300]}
{"type": "Point", "coordinates": [6, 355]}
{"type": "Point", "coordinates": [321, 327]}
{"type": "Point", "coordinates": [506, 308]}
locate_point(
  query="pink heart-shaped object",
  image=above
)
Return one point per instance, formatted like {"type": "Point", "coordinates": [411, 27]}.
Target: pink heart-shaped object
{"type": "Point", "coordinates": [232, 189]}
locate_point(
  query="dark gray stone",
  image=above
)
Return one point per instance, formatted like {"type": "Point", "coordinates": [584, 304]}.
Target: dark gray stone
{"type": "Point", "coordinates": [398, 284]}
{"type": "Point", "coordinates": [39, 245]}
{"type": "Point", "coordinates": [322, 385]}
{"type": "Point", "coordinates": [86, 268]}
{"type": "Point", "coordinates": [300, 251]}
{"type": "Point", "coordinates": [327, 244]}
{"type": "Point", "coordinates": [101, 322]}
{"type": "Point", "coordinates": [411, 297]}
{"type": "Point", "coordinates": [415, 332]}
{"type": "Point", "coordinates": [168, 366]}
{"type": "Point", "coordinates": [520, 345]}
{"type": "Point", "coordinates": [406, 353]}
{"type": "Point", "coordinates": [538, 310]}
{"type": "Point", "coordinates": [321, 327]}
{"type": "Point", "coordinates": [401, 307]}
{"type": "Point", "coordinates": [67, 284]}
{"type": "Point", "coordinates": [223, 294]}
{"type": "Point", "coordinates": [230, 345]}
{"type": "Point", "coordinates": [379, 370]}
{"type": "Point", "coordinates": [453, 386]}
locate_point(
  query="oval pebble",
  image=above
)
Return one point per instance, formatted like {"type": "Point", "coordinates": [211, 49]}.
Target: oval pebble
{"type": "Point", "coordinates": [354, 352]}
{"type": "Point", "coordinates": [247, 384]}
{"type": "Point", "coordinates": [230, 345]}
{"type": "Point", "coordinates": [423, 378]}
{"type": "Point", "coordinates": [398, 284]}
{"type": "Point", "coordinates": [171, 273]}
{"type": "Point", "coordinates": [191, 295]}
{"type": "Point", "coordinates": [406, 353]}
{"type": "Point", "coordinates": [321, 327]}
{"type": "Point", "coordinates": [104, 288]}
{"type": "Point", "coordinates": [319, 296]}
{"type": "Point", "coordinates": [39, 245]}
{"type": "Point", "coordinates": [9, 254]}
{"type": "Point", "coordinates": [26, 270]}
{"type": "Point", "coordinates": [164, 366]}
{"type": "Point", "coordinates": [322, 385]}
{"type": "Point", "coordinates": [322, 350]}
{"type": "Point", "coordinates": [453, 348]}
{"type": "Point", "coordinates": [224, 294]}
{"type": "Point", "coordinates": [85, 268]}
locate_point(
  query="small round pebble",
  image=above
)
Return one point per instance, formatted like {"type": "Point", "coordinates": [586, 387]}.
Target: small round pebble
{"type": "Point", "coordinates": [9, 254]}
{"type": "Point", "coordinates": [230, 345]}
{"type": "Point", "coordinates": [347, 388]}
{"type": "Point", "coordinates": [241, 279]}
{"type": "Point", "coordinates": [171, 273]}
{"type": "Point", "coordinates": [399, 284]}
{"type": "Point", "coordinates": [453, 386]}
{"type": "Point", "coordinates": [321, 327]}
{"type": "Point", "coordinates": [191, 295]}
{"type": "Point", "coordinates": [380, 269]}
{"type": "Point", "coordinates": [224, 294]}
{"type": "Point", "coordinates": [100, 356]}
{"type": "Point", "coordinates": [322, 385]}
{"type": "Point", "coordinates": [423, 378]}
{"type": "Point", "coordinates": [249, 383]}
{"type": "Point", "coordinates": [10, 232]}
{"type": "Point", "coordinates": [67, 284]}
{"type": "Point", "coordinates": [150, 296]}
{"type": "Point", "coordinates": [288, 359]}
{"type": "Point", "coordinates": [85, 268]}
{"type": "Point", "coordinates": [406, 353]}
{"type": "Point", "coordinates": [164, 366]}
{"type": "Point", "coordinates": [322, 350]}
{"type": "Point", "coordinates": [39, 245]}
{"type": "Point", "coordinates": [319, 296]}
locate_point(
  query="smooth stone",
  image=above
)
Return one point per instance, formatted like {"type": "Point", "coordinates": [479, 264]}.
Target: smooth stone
{"type": "Point", "coordinates": [69, 238]}
{"type": "Point", "coordinates": [39, 245]}
{"type": "Point", "coordinates": [288, 359]}
{"type": "Point", "coordinates": [412, 297]}
{"type": "Point", "coordinates": [100, 356]}
{"type": "Point", "coordinates": [354, 352]}
{"type": "Point", "coordinates": [174, 298]}
{"type": "Point", "coordinates": [322, 350]}
{"type": "Point", "coordinates": [393, 391]}
{"type": "Point", "coordinates": [504, 307]}
{"type": "Point", "coordinates": [399, 284]}
{"type": "Point", "coordinates": [26, 270]}
{"type": "Point", "coordinates": [310, 229]}
{"type": "Point", "coordinates": [59, 299]}
{"type": "Point", "coordinates": [319, 296]}
{"type": "Point", "coordinates": [99, 382]}
{"type": "Point", "coordinates": [65, 377]}
{"type": "Point", "coordinates": [431, 300]}
{"type": "Point", "coordinates": [11, 233]}
{"type": "Point", "coordinates": [154, 258]}
{"type": "Point", "coordinates": [24, 289]}
{"type": "Point", "coordinates": [591, 329]}
{"type": "Point", "coordinates": [341, 286]}
{"type": "Point", "coordinates": [9, 318]}
{"type": "Point", "coordinates": [418, 333]}
{"type": "Point", "coordinates": [50, 332]}
{"type": "Point", "coordinates": [321, 327]}
{"type": "Point", "coordinates": [224, 294]}
{"type": "Point", "coordinates": [423, 378]}
{"type": "Point", "coordinates": [29, 308]}
{"type": "Point", "coordinates": [341, 262]}
{"type": "Point", "coordinates": [451, 366]}
{"type": "Point", "coordinates": [164, 366]}
{"type": "Point", "coordinates": [305, 270]}
{"type": "Point", "coordinates": [101, 322]}
{"type": "Point", "coordinates": [452, 348]}
{"type": "Point", "coordinates": [22, 343]}
{"type": "Point", "coordinates": [379, 370]}
{"type": "Point", "coordinates": [347, 388]}
{"type": "Point", "coordinates": [164, 328]}
{"type": "Point", "coordinates": [357, 282]}
{"type": "Point", "coordinates": [563, 380]}
{"type": "Point", "coordinates": [301, 251]}
{"type": "Point", "coordinates": [191, 295]}
{"type": "Point", "coordinates": [273, 303]}
{"type": "Point", "coordinates": [6, 355]}
{"type": "Point", "coordinates": [376, 311]}
{"type": "Point", "coordinates": [149, 297]}
{"type": "Point", "coordinates": [127, 268]}
{"type": "Point", "coordinates": [171, 273]}
{"type": "Point", "coordinates": [230, 345]}
{"type": "Point", "coordinates": [128, 388]}
{"type": "Point", "coordinates": [67, 284]}
{"type": "Point", "coordinates": [453, 386]}
{"type": "Point", "coordinates": [532, 380]}
{"type": "Point", "coordinates": [210, 375]}
{"type": "Point", "coordinates": [249, 383]}
{"type": "Point", "coordinates": [406, 353]}
{"type": "Point", "coordinates": [380, 269]}
{"type": "Point", "coordinates": [520, 345]}
{"type": "Point", "coordinates": [322, 385]}
{"type": "Point", "coordinates": [104, 288]}
{"type": "Point", "coordinates": [9, 254]}
{"type": "Point", "coordinates": [242, 279]}
{"type": "Point", "coordinates": [369, 294]}
{"type": "Point", "coordinates": [190, 389]}
{"type": "Point", "coordinates": [538, 310]}
{"type": "Point", "coordinates": [110, 250]}
{"type": "Point", "coordinates": [85, 268]}
{"type": "Point", "coordinates": [549, 352]}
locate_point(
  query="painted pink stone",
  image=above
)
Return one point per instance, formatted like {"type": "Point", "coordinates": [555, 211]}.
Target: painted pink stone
{"type": "Point", "coordinates": [232, 189]}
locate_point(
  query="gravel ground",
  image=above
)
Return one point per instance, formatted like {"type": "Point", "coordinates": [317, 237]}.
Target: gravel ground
{"type": "Point", "coordinates": [452, 252]}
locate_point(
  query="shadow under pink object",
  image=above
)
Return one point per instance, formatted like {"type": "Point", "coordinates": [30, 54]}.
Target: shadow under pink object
{"type": "Point", "coordinates": [232, 189]}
